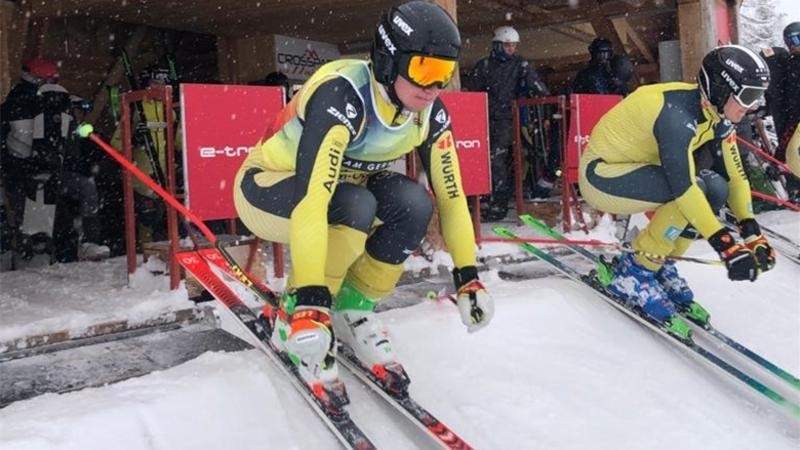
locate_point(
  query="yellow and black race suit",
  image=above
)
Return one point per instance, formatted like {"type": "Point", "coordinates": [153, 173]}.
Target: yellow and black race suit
{"type": "Point", "coordinates": [339, 129]}
{"type": "Point", "coordinates": [793, 152]}
{"type": "Point", "coordinates": [645, 154]}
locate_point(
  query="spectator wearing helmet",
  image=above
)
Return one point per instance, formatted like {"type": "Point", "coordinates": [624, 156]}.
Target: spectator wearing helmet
{"type": "Point", "coordinates": [606, 73]}
{"type": "Point", "coordinates": [505, 76]}
{"type": "Point", "coordinates": [320, 181]}
{"type": "Point", "coordinates": [671, 147]}
{"type": "Point", "coordinates": [783, 94]}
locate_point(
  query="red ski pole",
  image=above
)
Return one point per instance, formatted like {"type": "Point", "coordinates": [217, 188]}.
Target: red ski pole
{"type": "Point", "coordinates": [86, 131]}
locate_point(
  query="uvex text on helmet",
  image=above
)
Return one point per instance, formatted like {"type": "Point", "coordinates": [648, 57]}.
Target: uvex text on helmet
{"type": "Point", "coordinates": [413, 28]}
{"type": "Point", "coordinates": [733, 70]}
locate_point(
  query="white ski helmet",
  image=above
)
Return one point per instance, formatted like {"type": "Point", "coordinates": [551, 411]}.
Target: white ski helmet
{"type": "Point", "coordinates": [505, 34]}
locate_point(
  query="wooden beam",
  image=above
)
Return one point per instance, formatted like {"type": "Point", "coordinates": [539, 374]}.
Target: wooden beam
{"type": "Point", "coordinates": [14, 30]}
{"type": "Point", "coordinates": [115, 74]}
{"type": "Point", "coordinates": [625, 28]}
{"type": "Point", "coordinates": [564, 16]}
{"type": "Point", "coordinates": [451, 7]}
{"type": "Point", "coordinates": [689, 26]}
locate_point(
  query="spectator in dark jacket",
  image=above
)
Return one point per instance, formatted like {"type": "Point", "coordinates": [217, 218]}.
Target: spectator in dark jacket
{"type": "Point", "coordinates": [783, 93]}
{"type": "Point", "coordinates": [38, 146]}
{"type": "Point", "coordinates": [505, 76]}
{"type": "Point", "coordinates": [605, 74]}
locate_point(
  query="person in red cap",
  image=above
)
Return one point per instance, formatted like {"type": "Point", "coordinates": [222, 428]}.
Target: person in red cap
{"type": "Point", "coordinates": [17, 115]}
{"type": "Point", "coordinates": [34, 141]}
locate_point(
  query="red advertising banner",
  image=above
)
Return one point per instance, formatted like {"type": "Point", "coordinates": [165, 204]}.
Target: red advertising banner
{"type": "Point", "coordinates": [220, 125]}
{"type": "Point", "coordinates": [585, 111]}
{"type": "Point", "coordinates": [470, 121]}
{"type": "Point", "coordinates": [222, 122]}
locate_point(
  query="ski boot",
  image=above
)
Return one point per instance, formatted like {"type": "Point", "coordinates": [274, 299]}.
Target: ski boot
{"type": "Point", "coordinates": [359, 329]}
{"type": "Point", "coordinates": [681, 296]}
{"type": "Point", "coordinates": [304, 335]}
{"type": "Point", "coordinates": [638, 287]}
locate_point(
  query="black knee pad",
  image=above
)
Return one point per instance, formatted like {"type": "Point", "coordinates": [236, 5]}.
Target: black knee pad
{"type": "Point", "coordinates": [352, 206]}
{"type": "Point", "coordinates": [413, 206]}
{"type": "Point", "coordinates": [715, 187]}
{"type": "Point", "coordinates": [405, 211]}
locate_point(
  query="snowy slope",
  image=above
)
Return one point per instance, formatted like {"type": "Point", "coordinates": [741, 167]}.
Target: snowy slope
{"type": "Point", "coordinates": [70, 297]}
{"type": "Point", "coordinates": [557, 369]}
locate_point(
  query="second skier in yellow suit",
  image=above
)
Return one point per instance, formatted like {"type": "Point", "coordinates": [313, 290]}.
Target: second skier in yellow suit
{"type": "Point", "coordinates": [671, 148]}
{"type": "Point", "coordinates": [793, 152]}
{"type": "Point", "coordinates": [320, 182]}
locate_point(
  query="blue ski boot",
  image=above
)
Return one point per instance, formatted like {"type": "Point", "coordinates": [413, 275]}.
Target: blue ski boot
{"type": "Point", "coordinates": [638, 286]}
{"type": "Point", "coordinates": [680, 294]}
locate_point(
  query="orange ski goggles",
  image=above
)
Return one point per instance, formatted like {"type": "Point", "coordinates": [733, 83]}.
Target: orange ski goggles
{"type": "Point", "coordinates": [426, 71]}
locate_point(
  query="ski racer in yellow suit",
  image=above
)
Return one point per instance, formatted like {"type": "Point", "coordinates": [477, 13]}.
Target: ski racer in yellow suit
{"type": "Point", "coordinates": [320, 182]}
{"type": "Point", "coordinates": [793, 152]}
{"type": "Point", "coordinates": [671, 147]}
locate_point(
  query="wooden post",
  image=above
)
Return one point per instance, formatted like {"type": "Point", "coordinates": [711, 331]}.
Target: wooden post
{"type": "Point", "coordinates": [451, 7]}
{"type": "Point", "coordinates": [115, 75]}
{"type": "Point", "coordinates": [13, 34]}
{"type": "Point", "coordinates": [696, 33]}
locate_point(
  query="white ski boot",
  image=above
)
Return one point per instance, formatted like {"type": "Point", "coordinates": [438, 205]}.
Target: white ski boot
{"type": "Point", "coordinates": [304, 334]}
{"type": "Point", "coordinates": [357, 327]}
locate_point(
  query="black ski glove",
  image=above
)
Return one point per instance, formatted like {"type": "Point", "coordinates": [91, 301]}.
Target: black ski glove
{"type": "Point", "coordinates": [738, 259]}
{"type": "Point", "coordinates": [757, 243]}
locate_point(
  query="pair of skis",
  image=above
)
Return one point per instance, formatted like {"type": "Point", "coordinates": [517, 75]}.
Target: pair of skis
{"type": "Point", "coordinates": [210, 266]}
{"type": "Point", "coordinates": [207, 265]}
{"type": "Point", "coordinates": [591, 280]}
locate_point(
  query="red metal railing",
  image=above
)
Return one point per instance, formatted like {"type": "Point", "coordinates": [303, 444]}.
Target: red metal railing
{"type": "Point", "coordinates": [161, 94]}
{"type": "Point", "coordinates": [561, 115]}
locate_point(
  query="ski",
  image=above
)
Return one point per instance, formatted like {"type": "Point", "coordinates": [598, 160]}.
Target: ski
{"type": "Point", "coordinates": [787, 247]}
{"type": "Point", "coordinates": [590, 280]}
{"type": "Point", "coordinates": [332, 413]}
{"type": "Point", "coordinates": [328, 402]}
{"type": "Point", "coordinates": [542, 228]}
{"type": "Point", "coordinates": [402, 402]}
{"type": "Point", "coordinates": [142, 131]}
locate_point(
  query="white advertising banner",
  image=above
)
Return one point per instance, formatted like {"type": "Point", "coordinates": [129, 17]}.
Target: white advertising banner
{"type": "Point", "coordinates": [299, 58]}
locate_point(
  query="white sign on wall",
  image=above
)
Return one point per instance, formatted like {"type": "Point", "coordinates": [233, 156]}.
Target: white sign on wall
{"type": "Point", "coordinates": [299, 58]}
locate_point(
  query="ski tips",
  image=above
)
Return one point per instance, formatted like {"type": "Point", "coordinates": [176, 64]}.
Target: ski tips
{"type": "Point", "coordinates": [84, 130]}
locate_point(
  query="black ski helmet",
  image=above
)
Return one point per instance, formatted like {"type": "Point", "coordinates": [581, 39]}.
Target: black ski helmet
{"type": "Point", "coordinates": [733, 70]}
{"type": "Point", "coordinates": [791, 35]}
{"type": "Point", "coordinates": [415, 27]}
{"type": "Point", "coordinates": [601, 49]}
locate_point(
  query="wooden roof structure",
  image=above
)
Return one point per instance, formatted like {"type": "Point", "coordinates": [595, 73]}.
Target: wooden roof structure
{"type": "Point", "coordinates": [555, 29]}
{"type": "Point", "coordinates": [212, 35]}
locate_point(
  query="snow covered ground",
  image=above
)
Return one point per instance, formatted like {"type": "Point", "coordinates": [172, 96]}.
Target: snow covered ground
{"type": "Point", "coordinates": [71, 297]}
{"type": "Point", "coordinates": [557, 369]}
